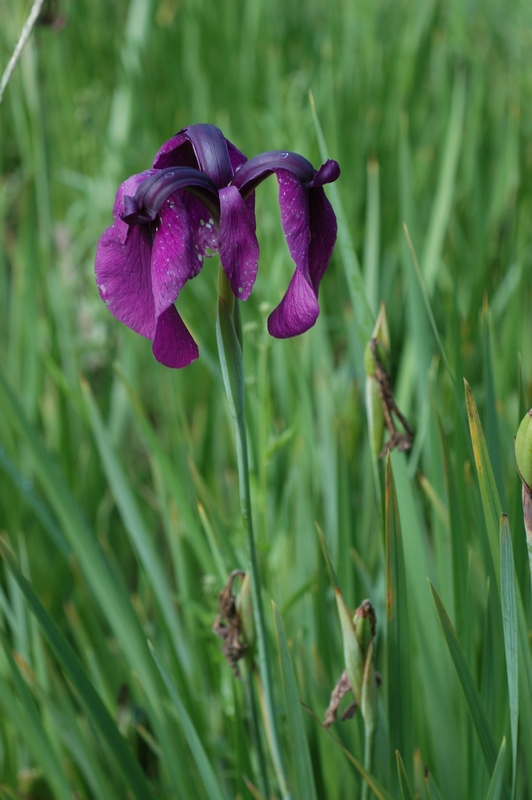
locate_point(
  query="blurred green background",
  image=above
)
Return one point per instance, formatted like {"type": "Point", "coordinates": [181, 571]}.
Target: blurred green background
{"type": "Point", "coordinates": [427, 108]}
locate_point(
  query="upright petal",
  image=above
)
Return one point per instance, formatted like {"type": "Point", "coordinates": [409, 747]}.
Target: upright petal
{"type": "Point", "coordinates": [173, 345]}
{"type": "Point", "coordinates": [210, 147]}
{"type": "Point", "coordinates": [176, 152]}
{"type": "Point", "coordinates": [123, 277]}
{"type": "Point", "coordinates": [239, 249]}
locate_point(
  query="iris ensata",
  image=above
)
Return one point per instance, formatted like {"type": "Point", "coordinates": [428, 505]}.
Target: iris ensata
{"type": "Point", "coordinates": [198, 200]}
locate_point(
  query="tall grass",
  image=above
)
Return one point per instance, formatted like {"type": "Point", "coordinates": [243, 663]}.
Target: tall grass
{"type": "Point", "coordinates": [119, 509]}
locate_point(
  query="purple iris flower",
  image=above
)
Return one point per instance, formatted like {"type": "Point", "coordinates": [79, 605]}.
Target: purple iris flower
{"type": "Point", "coordinates": [197, 200]}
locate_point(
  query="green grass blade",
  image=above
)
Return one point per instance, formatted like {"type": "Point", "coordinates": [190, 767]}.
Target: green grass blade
{"type": "Point", "coordinates": [471, 694]}
{"type": "Point", "coordinates": [30, 727]}
{"type": "Point", "coordinates": [136, 528]}
{"type": "Point", "coordinates": [491, 503]}
{"type": "Point", "coordinates": [125, 762]}
{"type": "Point", "coordinates": [404, 786]}
{"type": "Point", "coordinates": [509, 619]}
{"type": "Point", "coordinates": [398, 638]}
{"type": "Point", "coordinates": [302, 765]}
{"type": "Point", "coordinates": [365, 319]}
{"type": "Point", "coordinates": [496, 787]}
{"type": "Point", "coordinates": [441, 208]}
{"type": "Point", "coordinates": [205, 768]}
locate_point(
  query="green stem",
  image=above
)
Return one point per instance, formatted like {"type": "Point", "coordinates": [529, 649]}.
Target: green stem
{"type": "Point", "coordinates": [230, 351]}
{"type": "Point", "coordinates": [368, 750]}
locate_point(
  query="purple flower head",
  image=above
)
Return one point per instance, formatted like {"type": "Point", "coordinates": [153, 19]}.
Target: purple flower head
{"type": "Point", "coordinates": [198, 199]}
{"type": "Point", "coordinates": [309, 226]}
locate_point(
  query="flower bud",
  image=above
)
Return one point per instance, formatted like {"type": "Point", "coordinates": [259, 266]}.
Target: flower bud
{"type": "Point", "coordinates": [523, 450]}
{"type": "Point", "coordinates": [358, 634]}
{"type": "Point", "coordinates": [244, 607]}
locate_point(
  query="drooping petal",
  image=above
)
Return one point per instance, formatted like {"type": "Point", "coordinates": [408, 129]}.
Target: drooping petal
{"type": "Point", "coordinates": [293, 202]}
{"type": "Point", "coordinates": [323, 228]}
{"type": "Point", "coordinates": [173, 345]}
{"type": "Point", "coordinates": [123, 276]}
{"type": "Point", "coordinates": [297, 311]}
{"type": "Point", "coordinates": [172, 254]}
{"type": "Point", "coordinates": [239, 249]}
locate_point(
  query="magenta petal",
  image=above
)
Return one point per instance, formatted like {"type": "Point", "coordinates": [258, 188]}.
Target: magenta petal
{"type": "Point", "coordinates": [123, 277]}
{"type": "Point", "coordinates": [176, 152]}
{"type": "Point", "coordinates": [173, 345]}
{"type": "Point", "coordinates": [323, 229]}
{"type": "Point", "coordinates": [293, 201]}
{"type": "Point", "coordinates": [239, 249]}
{"type": "Point", "coordinates": [297, 311]}
{"type": "Point", "coordinates": [127, 189]}
{"type": "Point", "coordinates": [172, 254]}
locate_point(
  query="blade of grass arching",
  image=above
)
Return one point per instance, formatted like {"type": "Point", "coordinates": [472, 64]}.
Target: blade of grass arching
{"type": "Point", "coordinates": [303, 776]}
{"type": "Point", "coordinates": [127, 765]}
{"type": "Point", "coordinates": [398, 639]}
{"type": "Point", "coordinates": [441, 208]}
{"type": "Point", "coordinates": [205, 768]}
{"type": "Point", "coordinates": [136, 528]}
{"type": "Point", "coordinates": [509, 621]}
{"type": "Point", "coordinates": [471, 693]}
{"type": "Point", "coordinates": [496, 787]}
{"type": "Point", "coordinates": [491, 503]}
{"type": "Point", "coordinates": [404, 786]}
{"type": "Point", "coordinates": [365, 319]}
{"type": "Point", "coordinates": [24, 711]}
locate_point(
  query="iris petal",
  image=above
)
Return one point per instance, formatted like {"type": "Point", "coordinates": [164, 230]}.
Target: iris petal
{"type": "Point", "coordinates": [322, 223]}
{"type": "Point", "coordinates": [172, 254]}
{"type": "Point", "coordinates": [297, 311]}
{"type": "Point", "coordinates": [173, 345]}
{"type": "Point", "coordinates": [123, 276]}
{"type": "Point", "coordinates": [239, 249]}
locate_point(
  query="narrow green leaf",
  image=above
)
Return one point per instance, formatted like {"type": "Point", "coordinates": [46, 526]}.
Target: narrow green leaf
{"type": "Point", "coordinates": [136, 528]}
{"type": "Point", "coordinates": [398, 639]}
{"type": "Point", "coordinates": [441, 208]}
{"type": "Point", "coordinates": [404, 786]}
{"type": "Point", "coordinates": [471, 694]}
{"type": "Point", "coordinates": [118, 749]}
{"type": "Point", "coordinates": [364, 316]}
{"type": "Point", "coordinates": [376, 787]}
{"type": "Point", "coordinates": [302, 765]}
{"type": "Point", "coordinates": [509, 620]}
{"type": "Point", "coordinates": [205, 769]}
{"type": "Point", "coordinates": [491, 503]}
{"type": "Point", "coordinates": [21, 706]}
{"type": "Point", "coordinates": [496, 787]}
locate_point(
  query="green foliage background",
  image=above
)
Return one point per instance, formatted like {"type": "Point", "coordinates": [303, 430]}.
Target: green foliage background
{"type": "Point", "coordinates": [118, 484]}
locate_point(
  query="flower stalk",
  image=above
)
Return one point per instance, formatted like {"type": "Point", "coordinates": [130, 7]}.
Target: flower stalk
{"type": "Point", "coordinates": [230, 353]}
